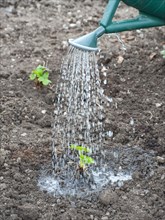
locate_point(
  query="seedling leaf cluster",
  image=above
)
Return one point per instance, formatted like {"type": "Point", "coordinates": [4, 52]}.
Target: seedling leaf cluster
{"type": "Point", "coordinates": [40, 75]}
{"type": "Point", "coordinates": [83, 158]}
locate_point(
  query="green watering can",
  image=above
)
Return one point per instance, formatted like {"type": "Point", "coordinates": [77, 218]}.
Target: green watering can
{"type": "Point", "coordinates": [151, 14]}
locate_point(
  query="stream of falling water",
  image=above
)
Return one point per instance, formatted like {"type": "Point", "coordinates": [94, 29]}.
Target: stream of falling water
{"type": "Point", "coordinates": [79, 113]}
{"type": "Point", "coordinates": [79, 120]}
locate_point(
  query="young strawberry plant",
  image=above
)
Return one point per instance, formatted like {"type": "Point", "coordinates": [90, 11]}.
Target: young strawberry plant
{"type": "Point", "coordinates": [40, 76]}
{"type": "Point", "coordinates": [84, 160]}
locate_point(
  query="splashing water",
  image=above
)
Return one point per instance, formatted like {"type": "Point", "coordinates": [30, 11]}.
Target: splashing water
{"type": "Point", "coordinates": [123, 46]}
{"type": "Point", "coordinates": [54, 186]}
{"type": "Point", "coordinates": [79, 116]}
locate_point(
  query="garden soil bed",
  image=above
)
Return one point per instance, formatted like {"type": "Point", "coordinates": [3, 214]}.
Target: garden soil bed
{"type": "Point", "coordinates": [36, 32]}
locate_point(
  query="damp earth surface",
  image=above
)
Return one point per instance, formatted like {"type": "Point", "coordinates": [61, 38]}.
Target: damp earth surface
{"type": "Point", "coordinates": [36, 32]}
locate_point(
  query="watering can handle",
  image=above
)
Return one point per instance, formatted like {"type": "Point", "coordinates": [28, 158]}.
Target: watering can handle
{"type": "Point", "coordinates": [142, 21]}
{"type": "Point", "coordinates": [109, 12]}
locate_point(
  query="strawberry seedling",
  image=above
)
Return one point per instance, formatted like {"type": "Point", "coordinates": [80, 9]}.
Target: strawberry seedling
{"type": "Point", "coordinates": [83, 159]}
{"type": "Point", "coordinates": [40, 75]}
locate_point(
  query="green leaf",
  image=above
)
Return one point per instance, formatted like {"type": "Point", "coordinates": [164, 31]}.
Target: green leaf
{"type": "Point", "coordinates": [46, 75]}
{"type": "Point", "coordinates": [46, 82]}
{"type": "Point", "coordinates": [38, 72]}
{"type": "Point", "coordinates": [80, 148]}
{"type": "Point", "coordinates": [86, 159]}
{"type": "Point", "coordinates": [32, 76]}
{"type": "Point", "coordinates": [40, 79]}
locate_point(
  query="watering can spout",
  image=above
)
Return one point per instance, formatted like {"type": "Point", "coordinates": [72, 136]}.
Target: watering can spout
{"type": "Point", "coordinates": [151, 14]}
{"type": "Point", "coordinates": [88, 41]}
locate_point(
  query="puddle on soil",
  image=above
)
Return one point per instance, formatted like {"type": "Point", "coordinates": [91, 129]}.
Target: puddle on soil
{"type": "Point", "coordinates": [119, 166]}
{"type": "Point", "coordinates": [100, 179]}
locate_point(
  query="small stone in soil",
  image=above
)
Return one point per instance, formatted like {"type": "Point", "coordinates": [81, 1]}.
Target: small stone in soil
{"type": "Point", "coordinates": [3, 186]}
{"type": "Point", "coordinates": [160, 159]}
{"type": "Point", "coordinates": [108, 196]}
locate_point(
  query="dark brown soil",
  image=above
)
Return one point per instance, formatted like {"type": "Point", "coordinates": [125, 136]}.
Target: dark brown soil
{"type": "Point", "coordinates": [36, 32]}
